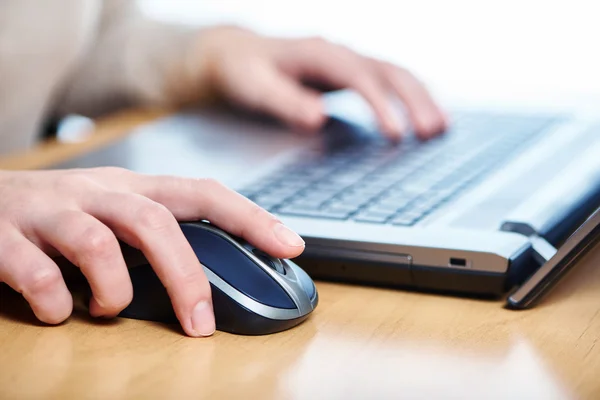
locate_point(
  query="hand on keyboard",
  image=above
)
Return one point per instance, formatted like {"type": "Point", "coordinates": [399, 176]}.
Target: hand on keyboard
{"type": "Point", "coordinates": [278, 76]}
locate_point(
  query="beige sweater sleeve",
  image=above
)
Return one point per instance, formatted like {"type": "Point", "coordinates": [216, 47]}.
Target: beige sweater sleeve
{"type": "Point", "coordinates": [87, 57]}
{"type": "Point", "coordinates": [133, 61]}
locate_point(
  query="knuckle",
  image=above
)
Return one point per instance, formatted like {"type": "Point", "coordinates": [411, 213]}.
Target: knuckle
{"type": "Point", "coordinates": [72, 181]}
{"type": "Point", "coordinates": [96, 242]}
{"type": "Point", "coordinates": [154, 216]}
{"type": "Point", "coordinates": [41, 280]}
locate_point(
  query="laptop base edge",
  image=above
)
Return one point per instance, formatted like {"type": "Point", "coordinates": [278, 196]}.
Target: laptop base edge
{"type": "Point", "coordinates": [419, 278]}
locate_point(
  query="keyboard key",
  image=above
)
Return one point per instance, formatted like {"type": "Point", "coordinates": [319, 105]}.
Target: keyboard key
{"type": "Point", "coordinates": [267, 201]}
{"type": "Point", "coordinates": [280, 192]}
{"type": "Point", "coordinates": [382, 208]}
{"type": "Point", "coordinates": [300, 205]}
{"type": "Point", "coordinates": [365, 192]}
{"type": "Point", "coordinates": [396, 202]}
{"type": "Point", "coordinates": [373, 219]}
{"type": "Point", "coordinates": [341, 215]}
{"type": "Point", "coordinates": [354, 201]}
{"type": "Point", "coordinates": [373, 216]}
{"type": "Point", "coordinates": [327, 187]}
{"type": "Point", "coordinates": [341, 207]}
{"type": "Point", "coordinates": [404, 221]}
{"type": "Point", "coordinates": [312, 198]}
{"type": "Point", "coordinates": [416, 209]}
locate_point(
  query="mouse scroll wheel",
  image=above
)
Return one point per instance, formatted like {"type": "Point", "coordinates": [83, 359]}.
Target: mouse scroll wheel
{"type": "Point", "coordinates": [269, 261]}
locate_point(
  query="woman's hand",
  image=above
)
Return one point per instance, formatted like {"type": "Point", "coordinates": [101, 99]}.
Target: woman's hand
{"type": "Point", "coordinates": [268, 75]}
{"type": "Point", "coordinates": [81, 214]}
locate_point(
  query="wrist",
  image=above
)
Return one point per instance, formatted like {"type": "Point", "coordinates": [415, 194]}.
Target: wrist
{"type": "Point", "coordinates": [195, 76]}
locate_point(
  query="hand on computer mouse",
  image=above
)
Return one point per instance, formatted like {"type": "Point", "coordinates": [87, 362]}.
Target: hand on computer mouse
{"type": "Point", "coordinates": [266, 75]}
{"type": "Point", "coordinates": [81, 214]}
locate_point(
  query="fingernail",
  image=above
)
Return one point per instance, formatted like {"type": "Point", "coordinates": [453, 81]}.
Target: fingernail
{"type": "Point", "coordinates": [287, 236]}
{"type": "Point", "coordinates": [203, 320]}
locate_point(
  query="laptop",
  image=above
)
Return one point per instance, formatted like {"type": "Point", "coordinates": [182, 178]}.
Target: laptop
{"type": "Point", "coordinates": [458, 214]}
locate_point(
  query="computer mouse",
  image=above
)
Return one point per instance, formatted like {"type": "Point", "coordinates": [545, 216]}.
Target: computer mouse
{"type": "Point", "coordinates": [253, 293]}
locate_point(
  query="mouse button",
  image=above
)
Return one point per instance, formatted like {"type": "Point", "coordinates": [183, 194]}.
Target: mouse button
{"type": "Point", "coordinates": [303, 279]}
{"type": "Point", "coordinates": [236, 268]}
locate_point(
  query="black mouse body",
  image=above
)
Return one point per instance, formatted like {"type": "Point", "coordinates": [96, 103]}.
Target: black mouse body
{"type": "Point", "coordinates": [253, 293]}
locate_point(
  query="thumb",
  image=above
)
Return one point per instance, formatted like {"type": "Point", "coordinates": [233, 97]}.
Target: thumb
{"type": "Point", "coordinates": [272, 92]}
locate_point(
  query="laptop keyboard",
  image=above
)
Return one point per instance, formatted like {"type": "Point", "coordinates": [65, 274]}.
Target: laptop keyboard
{"type": "Point", "coordinates": [367, 179]}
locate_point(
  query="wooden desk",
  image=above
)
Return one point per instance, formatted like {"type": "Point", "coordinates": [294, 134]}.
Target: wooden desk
{"type": "Point", "coordinates": [362, 343]}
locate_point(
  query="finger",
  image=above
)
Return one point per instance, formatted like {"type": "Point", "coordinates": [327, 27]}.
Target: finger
{"type": "Point", "coordinates": [151, 228]}
{"type": "Point", "coordinates": [93, 247]}
{"type": "Point", "coordinates": [339, 67]}
{"type": "Point", "coordinates": [274, 93]}
{"type": "Point", "coordinates": [426, 116]}
{"type": "Point", "coordinates": [26, 269]}
{"type": "Point", "coordinates": [194, 199]}
{"type": "Point", "coordinates": [390, 124]}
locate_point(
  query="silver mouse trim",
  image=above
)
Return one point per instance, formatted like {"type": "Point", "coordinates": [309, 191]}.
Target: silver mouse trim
{"type": "Point", "coordinates": [290, 284]}
{"type": "Point", "coordinates": [251, 304]}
